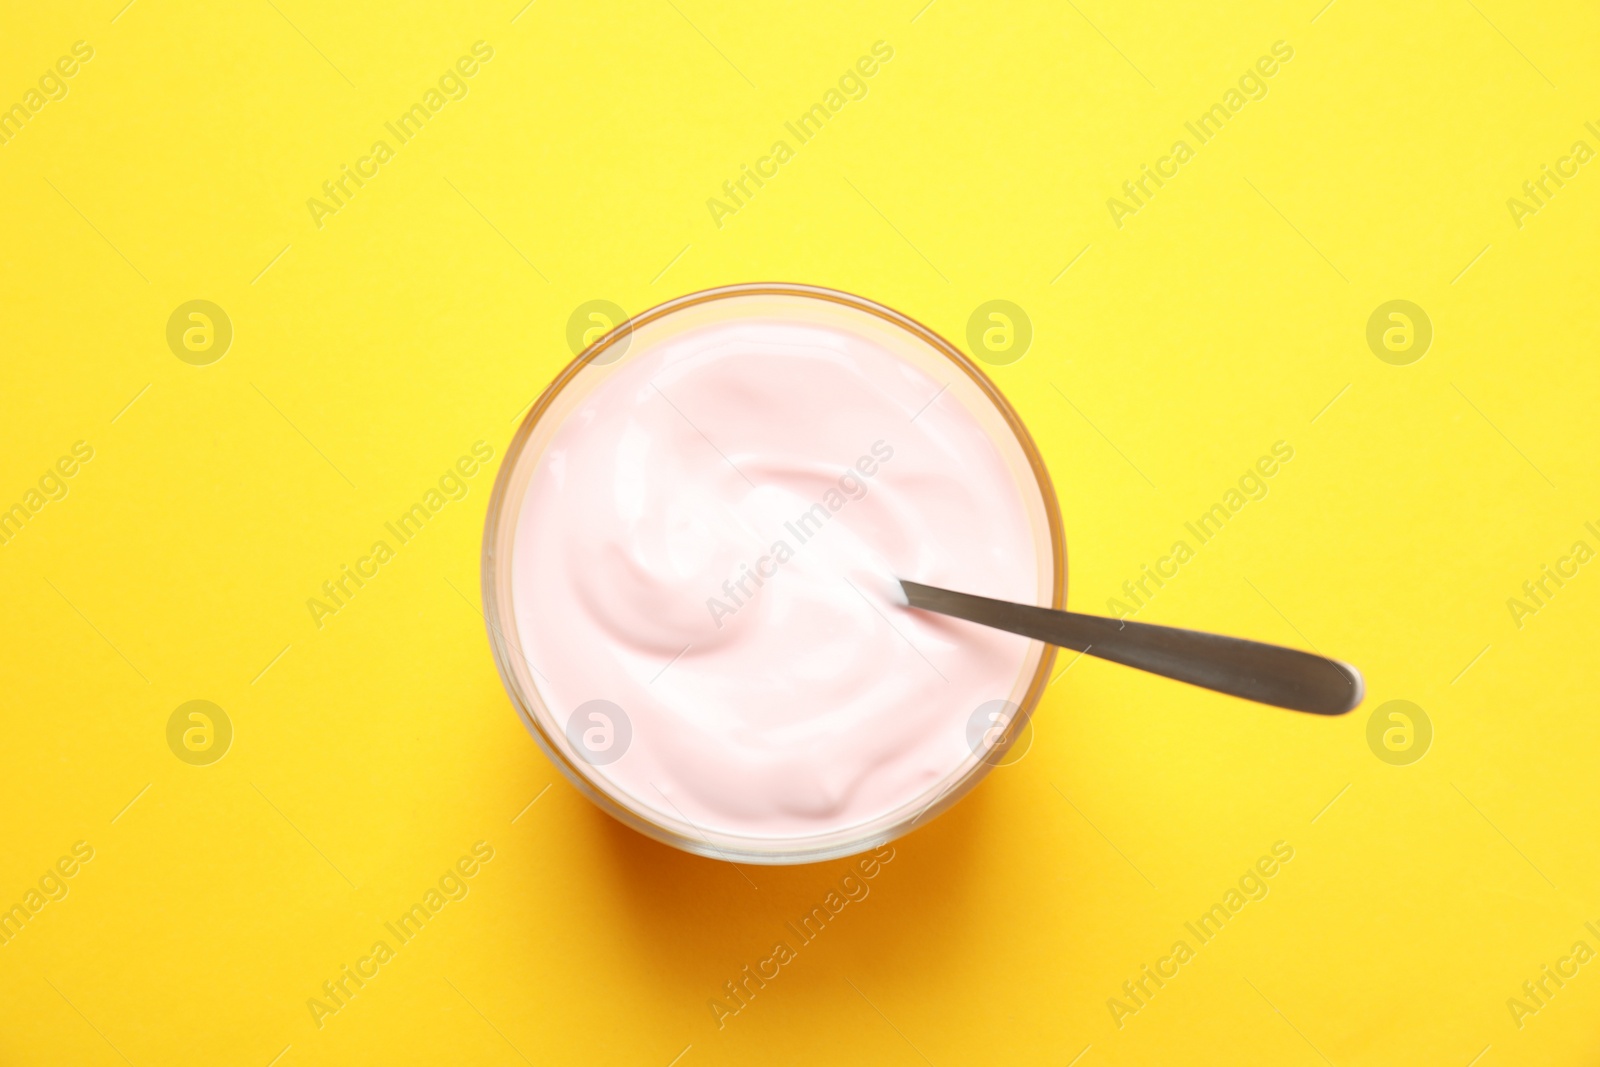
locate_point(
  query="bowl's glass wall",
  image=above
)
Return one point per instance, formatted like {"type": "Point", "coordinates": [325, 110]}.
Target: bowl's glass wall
{"type": "Point", "coordinates": [912, 342]}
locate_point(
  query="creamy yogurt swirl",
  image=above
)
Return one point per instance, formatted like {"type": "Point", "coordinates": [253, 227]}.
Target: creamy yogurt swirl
{"type": "Point", "coordinates": [709, 543]}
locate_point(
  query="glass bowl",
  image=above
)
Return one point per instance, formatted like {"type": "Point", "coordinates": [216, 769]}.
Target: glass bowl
{"type": "Point", "coordinates": [905, 337]}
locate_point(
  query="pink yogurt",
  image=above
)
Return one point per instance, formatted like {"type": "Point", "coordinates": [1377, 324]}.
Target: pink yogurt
{"type": "Point", "coordinates": [710, 543]}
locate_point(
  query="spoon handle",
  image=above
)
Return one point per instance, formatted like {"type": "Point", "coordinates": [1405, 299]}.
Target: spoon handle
{"type": "Point", "coordinates": [1267, 674]}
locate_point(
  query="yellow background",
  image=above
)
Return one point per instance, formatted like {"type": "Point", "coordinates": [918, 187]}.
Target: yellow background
{"type": "Point", "coordinates": [429, 312]}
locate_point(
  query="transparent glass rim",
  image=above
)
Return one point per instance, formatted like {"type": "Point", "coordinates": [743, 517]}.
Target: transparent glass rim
{"type": "Point", "coordinates": [499, 611]}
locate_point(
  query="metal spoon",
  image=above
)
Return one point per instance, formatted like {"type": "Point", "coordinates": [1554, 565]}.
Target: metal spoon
{"type": "Point", "coordinates": [1267, 674]}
